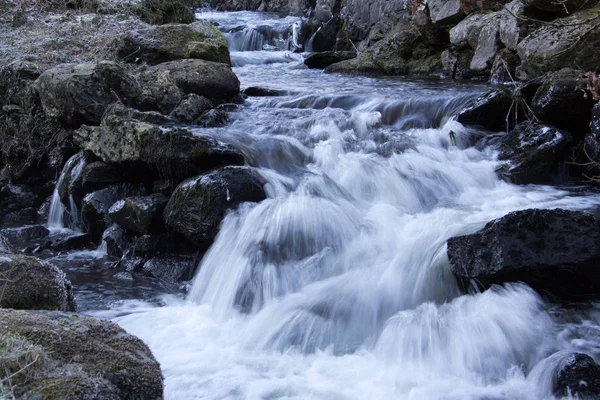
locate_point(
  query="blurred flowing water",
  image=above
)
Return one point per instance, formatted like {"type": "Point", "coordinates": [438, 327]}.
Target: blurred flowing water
{"type": "Point", "coordinates": [338, 285]}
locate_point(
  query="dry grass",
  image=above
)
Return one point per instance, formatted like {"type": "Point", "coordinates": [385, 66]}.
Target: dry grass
{"type": "Point", "coordinates": [20, 361]}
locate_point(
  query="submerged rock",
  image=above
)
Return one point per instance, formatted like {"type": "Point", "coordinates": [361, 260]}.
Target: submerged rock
{"type": "Point", "coordinates": [28, 283]}
{"type": "Point", "coordinates": [556, 252]}
{"type": "Point", "coordinates": [325, 59]}
{"type": "Point", "coordinates": [534, 152]}
{"type": "Point", "coordinates": [255, 91]}
{"type": "Point", "coordinates": [577, 375]}
{"type": "Point", "coordinates": [199, 204]}
{"type": "Point", "coordinates": [140, 214]}
{"type": "Point", "coordinates": [77, 357]}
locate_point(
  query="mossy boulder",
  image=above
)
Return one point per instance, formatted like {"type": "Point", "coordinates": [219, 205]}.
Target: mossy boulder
{"type": "Point", "coordinates": [163, 43]}
{"type": "Point", "coordinates": [166, 11]}
{"type": "Point", "coordinates": [71, 356]}
{"type": "Point", "coordinates": [28, 283]}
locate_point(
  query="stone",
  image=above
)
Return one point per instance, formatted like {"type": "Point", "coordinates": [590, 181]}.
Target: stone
{"type": "Point", "coordinates": [455, 64]}
{"type": "Point", "coordinates": [577, 375]}
{"type": "Point", "coordinates": [556, 252]}
{"type": "Point", "coordinates": [199, 204]}
{"type": "Point", "coordinates": [140, 214]}
{"type": "Point", "coordinates": [256, 91]}
{"type": "Point", "coordinates": [488, 45]}
{"type": "Point", "coordinates": [213, 118]}
{"type": "Point", "coordinates": [110, 364]}
{"type": "Point", "coordinates": [158, 44]}
{"type": "Point", "coordinates": [117, 240]}
{"type": "Point", "coordinates": [491, 111]}
{"type": "Point", "coordinates": [564, 101]}
{"type": "Point", "coordinates": [513, 29]}
{"type": "Point", "coordinates": [534, 153]}
{"type": "Point", "coordinates": [445, 12]}
{"type": "Point", "coordinates": [504, 67]}
{"type": "Point", "coordinates": [325, 38]}
{"type": "Point", "coordinates": [158, 95]}
{"type": "Point", "coordinates": [324, 59]}
{"type": "Point", "coordinates": [166, 11]}
{"type": "Point", "coordinates": [74, 242]}
{"type": "Point", "coordinates": [567, 42]}
{"type": "Point", "coordinates": [171, 268]}
{"type": "Point", "coordinates": [21, 236]}
{"type": "Point", "coordinates": [81, 93]}
{"type": "Point", "coordinates": [191, 108]}
{"type": "Point", "coordinates": [466, 32]}
{"type": "Point", "coordinates": [14, 198]}
{"type": "Point", "coordinates": [28, 283]}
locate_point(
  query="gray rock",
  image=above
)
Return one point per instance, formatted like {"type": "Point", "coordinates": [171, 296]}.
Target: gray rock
{"type": "Point", "coordinates": [117, 240]}
{"type": "Point", "coordinates": [324, 59]}
{"type": "Point", "coordinates": [213, 118]}
{"type": "Point", "coordinates": [110, 364]}
{"type": "Point", "coordinates": [456, 63]}
{"type": "Point", "coordinates": [556, 252]}
{"type": "Point", "coordinates": [158, 44]}
{"type": "Point", "coordinates": [577, 375]}
{"type": "Point", "coordinates": [504, 67]}
{"type": "Point", "coordinates": [534, 152]}
{"type": "Point", "coordinates": [199, 204]}
{"type": "Point", "coordinates": [158, 95]}
{"type": "Point", "coordinates": [81, 93]}
{"type": "Point", "coordinates": [445, 12]}
{"type": "Point", "coordinates": [191, 108]}
{"type": "Point", "coordinates": [513, 29]}
{"type": "Point", "coordinates": [466, 32]}
{"type": "Point", "coordinates": [28, 283]}
{"type": "Point", "coordinates": [140, 214]}
{"type": "Point", "coordinates": [171, 268]}
{"type": "Point", "coordinates": [21, 236]}
{"type": "Point", "coordinates": [487, 46]}
{"type": "Point", "coordinates": [14, 198]}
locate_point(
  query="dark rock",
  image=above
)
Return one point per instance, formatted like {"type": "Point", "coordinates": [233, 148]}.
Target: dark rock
{"type": "Point", "coordinates": [588, 158]}
{"type": "Point", "coordinates": [158, 94]}
{"type": "Point", "coordinates": [430, 32]}
{"type": "Point", "coordinates": [595, 123]}
{"type": "Point", "coordinates": [561, 8]}
{"type": "Point", "coordinates": [199, 204]}
{"type": "Point", "coordinates": [166, 11]}
{"type": "Point", "coordinates": [95, 176]}
{"type": "Point", "coordinates": [577, 375]}
{"type": "Point", "coordinates": [362, 63]}
{"type": "Point", "coordinates": [154, 244]}
{"type": "Point", "coordinates": [325, 38]}
{"type": "Point", "coordinates": [173, 268]}
{"type": "Point", "coordinates": [213, 118]}
{"type": "Point", "coordinates": [76, 242]}
{"type": "Point", "coordinates": [159, 44]}
{"type": "Point", "coordinates": [551, 47]}
{"type": "Point", "coordinates": [255, 91]}
{"type": "Point", "coordinates": [556, 252]}
{"type": "Point", "coordinates": [491, 111]}
{"type": "Point", "coordinates": [4, 245]}
{"type": "Point", "coordinates": [534, 152]}
{"type": "Point", "coordinates": [23, 235]}
{"type": "Point", "coordinates": [81, 93]}
{"type": "Point", "coordinates": [94, 210]}
{"type": "Point", "coordinates": [110, 364]}
{"type": "Point", "coordinates": [191, 108]}
{"type": "Point", "coordinates": [141, 214]}
{"type": "Point", "coordinates": [455, 64]}
{"type": "Point", "coordinates": [504, 67]}
{"type": "Point", "coordinates": [325, 59]}
{"type": "Point", "coordinates": [28, 283]}
{"type": "Point", "coordinates": [14, 198]}
{"type": "Point", "coordinates": [564, 101]}
{"type": "Point", "coordinates": [117, 240]}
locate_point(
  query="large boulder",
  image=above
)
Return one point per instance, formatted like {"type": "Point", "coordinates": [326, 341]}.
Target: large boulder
{"type": "Point", "coordinates": [117, 240]}
{"type": "Point", "coordinates": [445, 12]}
{"type": "Point", "coordinates": [81, 93]}
{"type": "Point", "coordinates": [325, 59]}
{"type": "Point", "coordinates": [577, 375]}
{"type": "Point", "coordinates": [556, 252]}
{"type": "Point", "coordinates": [488, 44]}
{"type": "Point", "coordinates": [491, 111]}
{"type": "Point", "coordinates": [22, 236]}
{"type": "Point", "coordinates": [199, 204]}
{"type": "Point", "coordinates": [564, 101]}
{"type": "Point", "coordinates": [149, 151]}
{"type": "Point", "coordinates": [140, 214]}
{"type": "Point", "coordinates": [71, 356]}
{"type": "Point", "coordinates": [513, 25]}
{"type": "Point", "coordinates": [28, 283]}
{"type": "Point", "coordinates": [567, 42]}
{"type": "Point", "coordinates": [534, 153]}
{"type": "Point", "coordinates": [205, 78]}
{"type": "Point", "coordinates": [158, 44]}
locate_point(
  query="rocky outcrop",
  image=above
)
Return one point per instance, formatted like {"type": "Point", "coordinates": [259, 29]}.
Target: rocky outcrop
{"type": "Point", "coordinates": [28, 283]}
{"type": "Point", "coordinates": [534, 153]}
{"type": "Point", "coordinates": [577, 375]}
{"type": "Point", "coordinates": [158, 44]}
{"type": "Point", "coordinates": [81, 93]}
{"type": "Point", "coordinates": [108, 362]}
{"type": "Point", "coordinates": [141, 214]}
{"type": "Point", "coordinates": [198, 205]}
{"type": "Point", "coordinates": [556, 252]}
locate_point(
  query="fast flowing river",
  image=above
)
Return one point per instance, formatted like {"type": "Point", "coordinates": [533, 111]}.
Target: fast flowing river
{"type": "Point", "coordinates": [338, 285]}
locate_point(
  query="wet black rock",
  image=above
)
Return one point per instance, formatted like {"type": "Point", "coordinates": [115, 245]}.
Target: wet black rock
{"type": "Point", "coordinates": [256, 91]}
{"type": "Point", "coordinates": [577, 375]}
{"type": "Point", "coordinates": [94, 210]}
{"type": "Point", "coordinates": [564, 101]}
{"type": "Point", "coordinates": [140, 214]}
{"type": "Point", "coordinates": [74, 242]}
{"type": "Point", "coordinates": [492, 111]}
{"type": "Point", "coordinates": [556, 252]}
{"type": "Point", "coordinates": [21, 236]}
{"type": "Point", "coordinates": [199, 204]}
{"type": "Point", "coordinates": [117, 240]}
{"type": "Point", "coordinates": [172, 268]}
{"type": "Point", "coordinates": [191, 108]}
{"type": "Point", "coordinates": [28, 283]}
{"type": "Point", "coordinates": [15, 199]}
{"type": "Point", "coordinates": [534, 153]}
{"type": "Point", "coordinates": [325, 59]}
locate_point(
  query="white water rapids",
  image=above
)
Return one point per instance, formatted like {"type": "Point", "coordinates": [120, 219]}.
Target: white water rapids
{"type": "Point", "coordinates": [338, 285]}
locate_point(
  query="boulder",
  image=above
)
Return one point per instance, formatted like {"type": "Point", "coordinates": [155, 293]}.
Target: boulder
{"type": "Point", "coordinates": [166, 11]}
{"type": "Point", "coordinates": [117, 240]}
{"type": "Point", "coordinates": [160, 243]}
{"type": "Point", "coordinates": [325, 59]}
{"type": "Point", "coordinates": [94, 176]}
{"type": "Point", "coordinates": [158, 44]}
{"type": "Point", "coordinates": [445, 12]}
{"type": "Point", "coordinates": [28, 283]}
{"type": "Point", "coordinates": [191, 108]}
{"type": "Point", "coordinates": [17, 198]}
{"type": "Point", "coordinates": [77, 357]}
{"type": "Point", "coordinates": [577, 375]}
{"type": "Point", "coordinates": [199, 204]}
{"type": "Point", "coordinates": [491, 111]}
{"type": "Point", "coordinates": [215, 81]}
{"type": "Point", "coordinates": [74, 242]}
{"type": "Point", "coordinates": [534, 153]}
{"type": "Point", "coordinates": [430, 33]}
{"type": "Point", "coordinates": [148, 151]}
{"type": "Point", "coordinates": [213, 118]}
{"type": "Point", "coordinates": [488, 44]}
{"type": "Point", "coordinates": [512, 28]}
{"type": "Point", "coordinates": [567, 42]}
{"type": "Point", "coordinates": [171, 268]}
{"type": "Point", "coordinates": [466, 32]}
{"type": "Point", "coordinates": [363, 63]}
{"type": "Point", "coordinates": [556, 252]}
{"type": "Point", "coordinates": [455, 64]}
{"type": "Point", "coordinates": [23, 235]}
{"type": "Point", "coordinates": [564, 101]}
{"type": "Point", "coordinates": [140, 214]}
{"type": "Point", "coordinates": [158, 95]}
{"type": "Point", "coordinates": [589, 150]}
{"type": "Point", "coordinates": [81, 93]}
{"type": "Point", "coordinates": [94, 210]}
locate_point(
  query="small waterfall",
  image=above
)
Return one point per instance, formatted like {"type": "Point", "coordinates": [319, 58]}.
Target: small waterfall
{"type": "Point", "coordinates": [70, 172]}
{"type": "Point", "coordinates": [309, 45]}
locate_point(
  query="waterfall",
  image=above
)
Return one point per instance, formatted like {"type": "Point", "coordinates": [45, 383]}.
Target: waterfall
{"type": "Point", "coordinates": [71, 171]}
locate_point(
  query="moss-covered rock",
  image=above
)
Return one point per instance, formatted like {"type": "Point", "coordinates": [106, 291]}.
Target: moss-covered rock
{"type": "Point", "coordinates": [28, 283]}
{"type": "Point", "coordinates": [70, 356]}
{"type": "Point", "coordinates": [166, 11]}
